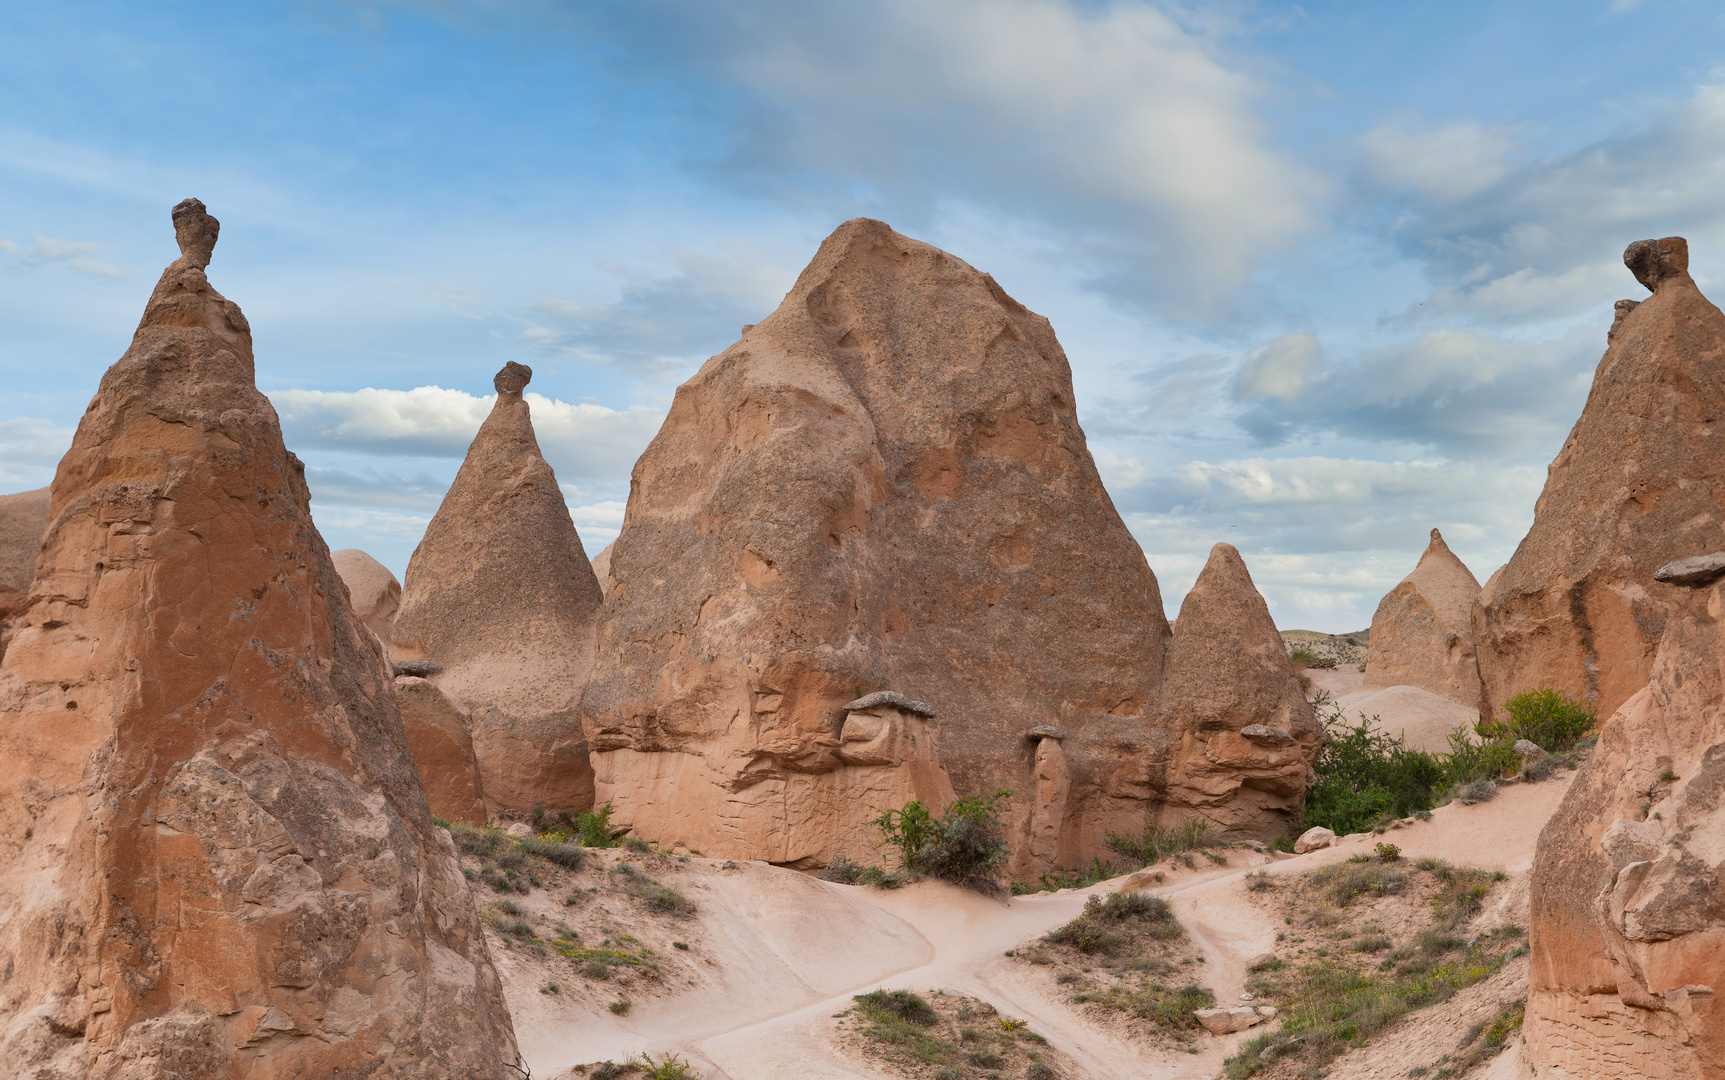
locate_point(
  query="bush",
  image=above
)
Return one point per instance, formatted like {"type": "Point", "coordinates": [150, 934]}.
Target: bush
{"type": "Point", "coordinates": [668, 901]}
{"type": "Point", "coordinates": [669, 1067]}
{"type": "Point", "coordinates": [593, 828]}
{"type": "Point", "coordinates": [902, 1005]}
{"type": "Point", "coordinates": [1365, 776]}
{"type": "Point", "coordinates": [621, 1006]}
{"type": "Point", "coordinates": [1349, 880]}
{"type": "Point", "coordinates": [561, 852]}
{"type": "Point", "coordinates": [1388, 853]}
{"type": "Point", "coordinates": [1552, 720]}
{"type": "Point", "coordinates": [1156, 842]}
{"type": "Point", "coordinates": [637, 845]}
{"type": "Point", "coordinates": [841, 870]}
{"type": "Point", "coordinates": [1259, 881]}
{"type": "Point", "coordinates": [1477, 792]}
{"type": "Point", "coordinates": [966, 845]}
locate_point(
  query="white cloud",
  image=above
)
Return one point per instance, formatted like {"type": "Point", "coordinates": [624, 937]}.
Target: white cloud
{"type": "Point", "coordinates": [1442, 164]}
{"type": "Point", "coordinates": [30, 450]}
{"type": "Point", "coordinates": [80, 256]}
{"type": "Point", "coordinates": [598, 523]}
{"type": "Point", "coordinates": [1278, 370]}
{"type": "Point", "coordinates": [580, 440]}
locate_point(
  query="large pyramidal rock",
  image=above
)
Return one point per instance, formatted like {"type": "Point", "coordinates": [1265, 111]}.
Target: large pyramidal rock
{"type": "Point", "coordinates": [500, 593]}
{"type": "Point", "coordinates": [215, 857]}
{"type": "Point", "coordinates": [1640, 482]}
{"type": "Point", "coordinates": [1248, 738]}
{"type": "Point", "coordinates": [881, 487]}
{"type": "Point", "coordinates": [23, 517]}
{"type": "Point", "coordinates": [373, 591]}
{"type": "Point", "coordinates": [1422, 632]}
{"type": "Point", "coordinates": [1628, 929]}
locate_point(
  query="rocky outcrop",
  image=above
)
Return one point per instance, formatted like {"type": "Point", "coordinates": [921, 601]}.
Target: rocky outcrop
{"type": "Point", "coordinates": [440, 735]}
{"type": "Point", "coordinates": [602, 569]}
{"type": "Point", "coordinates": [1422, 633]}
{"type": "Point", "coordinates": [375, 593]}
{"type": "Point", "coordinates": [215, 856]}
{"type": "Point", "coordinates": [501, 593]}
{"type": "Point", "coordinates": [1628, 931]}
{"type": "Point", "coordinates": [1639, 483]}
{"type": "Point", "coordinates": [882, 485]}
{"type": "Point", "coordinates": [1248, 738]}
{"type": "Point", "coordinates": [23, 517]}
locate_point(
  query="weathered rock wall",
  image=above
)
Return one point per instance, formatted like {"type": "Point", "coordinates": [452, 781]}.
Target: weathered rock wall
{"type": "Point", "coordinates": [1639, 482]}
{"type": "Point", "coordinates": [882, 486]}
{"type": "Point", "coordinates": [22, 518]}
{"type": "Point", "coordinates": [1628, 918]}
{"type": "Point", "coordinates": [215, 856]}
{"type": "Point", "coordinates": [500, 592]}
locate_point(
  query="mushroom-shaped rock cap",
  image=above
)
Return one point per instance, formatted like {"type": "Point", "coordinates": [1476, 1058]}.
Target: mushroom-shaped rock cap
{"type": "Point", "coordinates": [893, 698]}
{"type": "Point", "coordinates": [513, 378]}
{"type": "Point", "coordinates": [196, 232]}
{"type": "Point", "coordinates": [1694, 571]}
{"type": "Point", "coordinates": [1654, 262]}
{"type": "Point", "coordinates": [1044, 731]}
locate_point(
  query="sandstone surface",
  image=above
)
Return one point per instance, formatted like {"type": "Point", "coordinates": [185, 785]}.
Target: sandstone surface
{"type": "Point", "coordinates": [500, 592]}
{"type": "Point", "coordinates": [1227, 675]}
{"type": "Point", "coordinates": [215, 856]}
{"type": "Point", "coordinates": [882, 486]}
{"type": "Point", "coordinates": [1639, 483]}
{"type": "Point", "coordinates": [602, 569]}
{"type": "Point", "coordinates": [440, 735]}
{"type": "Point", "coordinates": [1419, 717]}
{"type": "Point", "coordinates": [23, 517]}
{"type": "Point", "coordinates": [1422, 632]}
{"type": "Point", "coordinates": [1627, 924]}
{"type": "Point", "coordinates": [375, 593]}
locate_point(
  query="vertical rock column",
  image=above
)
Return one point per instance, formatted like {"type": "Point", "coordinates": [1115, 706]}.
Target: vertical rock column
{"type": "Point", "coordinates": [1053, 783]}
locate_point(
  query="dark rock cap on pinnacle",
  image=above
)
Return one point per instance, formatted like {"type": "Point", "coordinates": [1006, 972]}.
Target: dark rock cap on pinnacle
{"type": "Point", "coordinates": [196, 232]}
{"type": "Point", "coordinates": [1654, 262]}
{"type": "Point", "coordinates": [513, 378]}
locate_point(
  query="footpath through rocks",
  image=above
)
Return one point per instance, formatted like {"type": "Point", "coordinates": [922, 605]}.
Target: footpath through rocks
{"type": "Point", "coordinates": [788, 952]}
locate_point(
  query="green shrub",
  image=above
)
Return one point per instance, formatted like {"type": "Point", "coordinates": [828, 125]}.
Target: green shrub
{"type": "Point", "coordinates": [905, 1005]}
{"type": "Point", "coordinates": [620, 1006]}
{"type": "Point", "coordinates": [637, 845]}
{"type": "Point", "coordinates": [561, 852]}
{"type": "Point", "coordinates": [1365, 776]}
{"type": "Point", "coordinates": [1552, 720]}
{"type": "Point", "coordinates": [1157, 843]}
{"type": "Point", "coordinates": [1388, 853]}
{"type": "Point", "coordinates": [480, 843]}
{"type": "Point", "coordinates": [1039, 1070]}
{"type": "Point", "coordinates": [1098, 870]}
{"type": "Point", "coordinates": [593, 828]}
{"type": "Point", "coordinates": [668, 901]}
{"type": "Point", "coordinates": [1346, 881]}
{"type": "Point", "coordinates": [841, 870]}
{"type": "Point", "coordinates": [1469, 761]}
{"type": "Point", "coordinates": [1477, 792]}
{"type": "Point", "coordinates": [669, 1067]}
{"type": "Point", "coordinates": [966, 845]}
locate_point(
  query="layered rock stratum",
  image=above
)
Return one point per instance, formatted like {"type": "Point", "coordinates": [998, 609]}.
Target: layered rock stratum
{"type": "Point", "coordinates": [1248, 738]}
{"type": "Point", "coordinates": [1422, 632]}
{"type": "Point", "coordinates": [882, 486]}
{"type": "Point", "coordinates": [1627, 926]}
{"type": "Point", "coordinates": [500, 593]}
{"type": "Point", "coordinates": [215, 856]}
{"type": "Point", "coordinates": [1639, 482]}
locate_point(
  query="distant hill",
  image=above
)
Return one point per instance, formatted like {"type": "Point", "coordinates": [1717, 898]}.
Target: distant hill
{"type": "Point", "coordinates": [1329, 650]}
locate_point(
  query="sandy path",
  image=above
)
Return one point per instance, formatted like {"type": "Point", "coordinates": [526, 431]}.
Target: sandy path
{"type": "Point", "coordinates": [768, 1033]}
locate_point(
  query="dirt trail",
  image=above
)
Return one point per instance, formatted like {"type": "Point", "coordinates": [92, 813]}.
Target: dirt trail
{"type": "Point", "coordinates": [932, 935]}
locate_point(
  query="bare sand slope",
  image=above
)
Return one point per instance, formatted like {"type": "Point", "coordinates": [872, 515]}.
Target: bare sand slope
{"type": "Point", "coordinates": [792, 950]}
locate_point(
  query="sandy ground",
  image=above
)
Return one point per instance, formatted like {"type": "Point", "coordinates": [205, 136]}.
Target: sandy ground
{"type": "Point", "coordinates": [788, 952]}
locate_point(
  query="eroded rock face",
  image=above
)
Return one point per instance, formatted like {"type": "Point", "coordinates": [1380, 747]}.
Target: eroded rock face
{"type": "Point", "coordinates": [501, 593]}
{"type": "Point", "coordinates": [22, 518]}
{"type": "Point", "coordinates": [883, 485]}
{"type": "Point", "coordinates": [1248, 738]}
{"type": "Point", "coordinates": [440, 734]}
{"type": "Point", "coordinates": [1628, 931]}
{"type": "Point", "coordinates": [215, 857]}
{"type": "Point", "coordinates": [602, 569]}
{"type": "Point", "coordinates": [375, 593]}
{"type": "Point", "coordinates": [1422, 633]}
{"type": "Point", "coordinates": [1639, 483]}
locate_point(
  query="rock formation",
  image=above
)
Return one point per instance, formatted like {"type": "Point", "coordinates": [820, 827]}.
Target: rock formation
{"type": "Point", "coordinates": [1639, 483]}
{"type": "Point", "coordinates": [881, 486]}
{"type": "Point", "coordinates": [1422, 633]}
{"type": "Point", "coordinates": [1420, 718]}
{"type": "Point", "coordinates": [1248, 738]}
{"type": "Point", "coordinates": [602, 569]}
{"type": "Point", "coordinates": [500, 592]}
{"type": "Point", "coordinates": [1627, 926]}
{"type": "Point", "coordinates": [23, 517]}
{"type": "Point", "coordinates": [440, 735]}
{"type": "Point", "coordinates": [375, 593]}
{"type": "Point", "coordinates": [215, 857]}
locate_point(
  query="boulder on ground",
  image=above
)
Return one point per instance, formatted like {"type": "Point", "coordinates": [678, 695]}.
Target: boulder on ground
{"type": "Point", "coordinates": [1248, 738]}
{"type": "Point", "coordinates": [375, 593]}
{"type": "Point", "coordinates": [500, 592]}
{"type": "Point", "coordinates": [1639, 483]}
{"type": "Point", "coordinates": [215, 856]}
{"type": "Point", "coordinates": [1314, 838]}
{"type": "Point", "coordinates": [1225, 1019]}
{"type": "Point", "coordinates": [1422, 633]}
{"type": "Point", "coordinates": [883, 484]}
{"type": "Point", "coordinates": [23, 517]}
{"type": "Point", "coordinates": [440, 735]}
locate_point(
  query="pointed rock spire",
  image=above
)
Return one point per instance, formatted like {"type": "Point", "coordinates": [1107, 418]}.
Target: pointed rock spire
{"type": "Point", "coordinates": [1639, 483]}
{"type": "Point", "coordinates": [882, 486]}
{"type": "Point", "coordinates": [1422, 633]}
{"type": "Point", "coordinates": [1246, 736]}
{"type": "Point", "coordinates": [500, 592]}
{"type": "Point", "coordinates": [216, 854]}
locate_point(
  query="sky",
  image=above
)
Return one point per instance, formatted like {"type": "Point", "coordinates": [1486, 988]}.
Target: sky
{"type": "Point", "coordinates": [1329, 275]}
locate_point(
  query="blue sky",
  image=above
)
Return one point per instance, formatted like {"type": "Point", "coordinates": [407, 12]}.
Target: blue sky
{"type": "Point", "coordinates": [1329, 274]}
